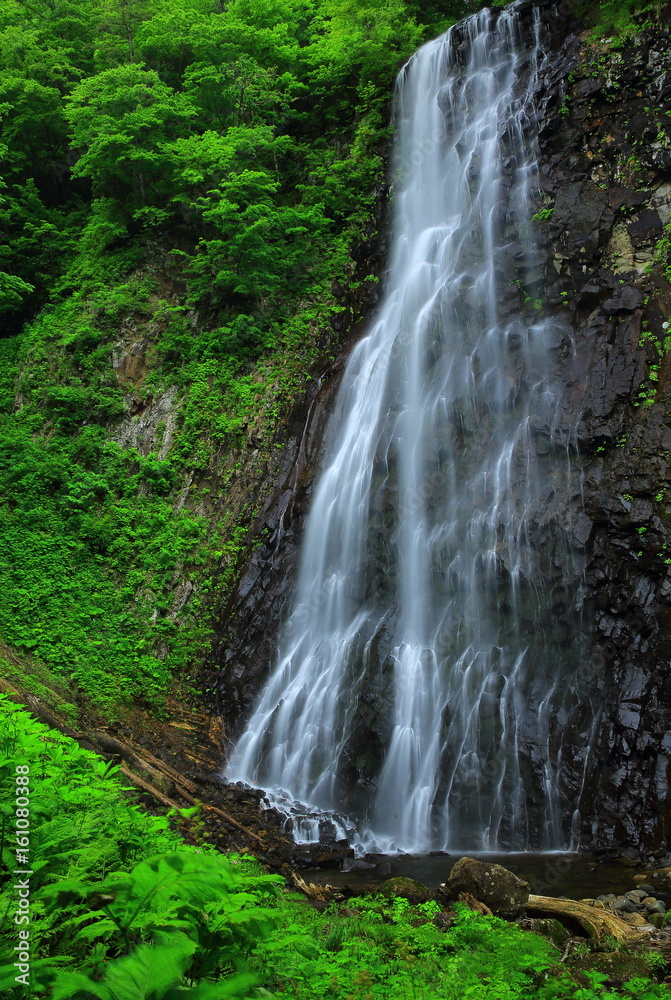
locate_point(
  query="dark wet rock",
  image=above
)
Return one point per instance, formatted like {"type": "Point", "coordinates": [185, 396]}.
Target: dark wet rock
{"type": "Point", "coordinates": [646, 224]}
{"type": "Point", "coordinates": [655, 907]}
{"type": "Point", "coordinates": [356, 865]}
{"type": "Point", "coordinates": [504, 893]}
{"type": "Point", "coordinates": [624, 905]}
{"type": "Point", "coordinates": [405, 888]}
{"type": "Point", "coordinates": [601, 267]}
{"type": "Point", "coordinates": [625, 300]}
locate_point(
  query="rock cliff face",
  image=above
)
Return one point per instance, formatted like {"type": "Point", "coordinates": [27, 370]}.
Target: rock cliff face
{"type": "Point", "coordinates": [605, 179]}
{"type": "Point", "coordinates": [605, 174]}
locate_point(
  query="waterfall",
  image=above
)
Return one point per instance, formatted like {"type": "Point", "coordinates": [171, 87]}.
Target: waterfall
{"type": "Point", "coordinates": [423, 678]}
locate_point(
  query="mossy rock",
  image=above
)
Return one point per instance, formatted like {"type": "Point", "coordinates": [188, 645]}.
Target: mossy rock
{"type": "Point", "coordinates": [405, 888]}
{"type": "Point", "coordinates": [549, 928]}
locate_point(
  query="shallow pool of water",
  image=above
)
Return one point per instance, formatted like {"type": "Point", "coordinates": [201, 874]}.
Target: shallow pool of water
{"type": "Point", "coordinates": [576, 876]}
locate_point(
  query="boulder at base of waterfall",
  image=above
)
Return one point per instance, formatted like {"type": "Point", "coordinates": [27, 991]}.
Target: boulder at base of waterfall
{"type": "Point", "coordinates": [406, 888]}
{"type": "Point", "coordinates": [504, 893]}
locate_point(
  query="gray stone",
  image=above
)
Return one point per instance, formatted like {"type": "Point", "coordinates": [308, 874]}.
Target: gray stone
{"type": "Point", "coordinates": [582, 528]}
{"type": "Point", "coordinates": [624, 905]}
{"type": "Point", "coordinates": [656, 907]}
{"type": "Point", "coordinates": [504, 893]}
{"type": "Point", "coordinates": [355, 865]}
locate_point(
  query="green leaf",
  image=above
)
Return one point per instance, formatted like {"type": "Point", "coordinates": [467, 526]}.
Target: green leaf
{"type": "Point", "coordinates": [102, 929]}
{"type": "Point", "coordinates": [237, 986]}
{"type": "Point", "coordinates": [147, 972]}
{"type": "Point", "coordinates": [69, 984]}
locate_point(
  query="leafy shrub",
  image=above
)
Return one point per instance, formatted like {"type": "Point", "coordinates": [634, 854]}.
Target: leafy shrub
{"type": "Point", "coordinates": [110, 916]}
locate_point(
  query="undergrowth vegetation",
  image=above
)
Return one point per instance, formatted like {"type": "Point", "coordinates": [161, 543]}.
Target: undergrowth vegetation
{"type": "Point", "coordinates": [120, 908]}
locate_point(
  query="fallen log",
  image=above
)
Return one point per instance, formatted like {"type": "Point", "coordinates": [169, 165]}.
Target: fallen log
{"type": "Point", "coordinates": [10, 690]}
{"type": "Point", "coordinates": [160, 797]}
{"type": "Point", "coordinates": [146, 787]}
{"type": "Point", "coordinates": [219, 812]}
{"type": "Point", "coordinates": [597, 923]}
{"type": "Point", "coordinates": [169, 771]}
{"type": "Point", "coordinates": [34, 705]}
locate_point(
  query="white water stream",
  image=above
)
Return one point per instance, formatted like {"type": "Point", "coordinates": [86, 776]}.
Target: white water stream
{"type": "Point", "coordinates": [425, 584]}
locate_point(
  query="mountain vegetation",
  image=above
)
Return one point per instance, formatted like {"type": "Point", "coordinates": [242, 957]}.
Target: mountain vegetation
{"type": "Point", "coordinates": [198, 171]}
{"type": "Point", "coordinates": [198, 174]}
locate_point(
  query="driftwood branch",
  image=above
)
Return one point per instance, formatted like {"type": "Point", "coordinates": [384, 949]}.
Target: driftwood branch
{"type": "Point", "coordinates": [309, 889]}
{"type": "Point", "coordinates": [146, 787]}
{"type": "Point", "coordinates": [597, 923]}
{"type": "Point", "coordinates": [474, 904]}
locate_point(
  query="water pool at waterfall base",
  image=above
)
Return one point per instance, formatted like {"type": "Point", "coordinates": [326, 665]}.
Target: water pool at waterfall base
{"type": "Point", "coordinates": [573, 875]}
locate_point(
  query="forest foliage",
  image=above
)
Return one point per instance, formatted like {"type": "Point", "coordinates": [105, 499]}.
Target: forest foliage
{"type": "Point", "coordinates": [233, 151]}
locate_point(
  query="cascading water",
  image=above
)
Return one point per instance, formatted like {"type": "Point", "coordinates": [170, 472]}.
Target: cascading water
{"type": "Point", "coordinates": [420, 669]}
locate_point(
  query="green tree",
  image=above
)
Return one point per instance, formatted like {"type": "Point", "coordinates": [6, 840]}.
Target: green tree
{"type": "Point", "coordinates": [118, 25]}
{"type": "Point", "coordinates": [121, 120]}
{"type": "Point", "coordinates": [254, 244]}
{"type": "Point", "coordinates": [362, 43]}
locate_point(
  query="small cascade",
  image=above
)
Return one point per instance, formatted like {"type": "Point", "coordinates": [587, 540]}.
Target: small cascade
{"type": "Point", "coordinates": [426, 692]}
